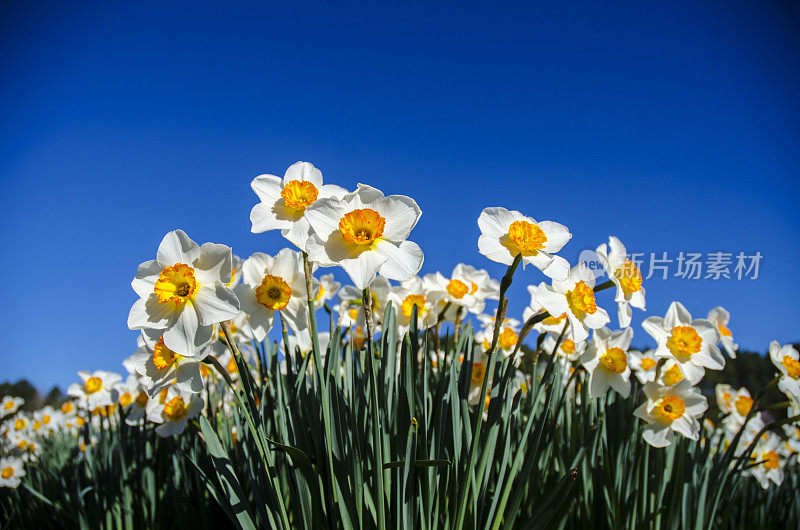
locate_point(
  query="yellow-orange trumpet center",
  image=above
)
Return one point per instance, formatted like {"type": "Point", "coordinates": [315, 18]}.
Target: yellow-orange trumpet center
{"type": "Point", "coordinates": [176, 284]}
{"type": "Point", "coordinates": [526, 237]}
{"type": "Point", "coordinates": [163, 357]}
{"type": "Point", "coordinates": [669, 409]}
{"type": "Point", "coordinates": [581, 300]}
{"type": "Point", "coordinates": [93, 384]}
{"type": "Point", "coordinates": [299, 194]}
{"type": "Point", "coordinates": [684, 342]}
{"type": "Point", "coordinates": [792, 366]}
{"type": "Point", "coordinates": [770, 460]}
{"type": "Point", "coordinates": [672, 376]}
{"type": "Point", "coordinates": [507, 339]}
{"type": "Point", "coordinates": [614, 360]}
{"type": "Point", "coordinates": [648, 364]}
{"type": "Point", "coordinates": [7, 472]}
{"type": "Point", "coordinates": [457, 288]}
{"type": "Point", "coordinates": [273, 293]}
{"type": "Point", "coordinates": [629, 276]}
{"type": "Point", "coordinates": [743, 405]}
{"type": "Point", "coordinates": [410, 301]}
{"type": "Point", "coordinates": [362, 226]}
{"type": "Point", "coordinates": [175, 408]}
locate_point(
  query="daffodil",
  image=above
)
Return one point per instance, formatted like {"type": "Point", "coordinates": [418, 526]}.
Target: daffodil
{"type": "Point", "coordinates": [177, 409]}
{"type": "Point", "coordinates": [574, 296]}
{"type": "Point", "coordinates": [412, 293]}
{"type": "Point", "coordinates": [11, 472]}
{"type": "Point", "coordinates": [692, 343]}
{"type": "Point", "coordinates": [606, 360]}
{"type": "Point", "coordinates": [274, 284]}
{"type": "Point", "coordinates": [741, 404]}
{"type": "Point", "coordinates": [284, 202]}
{"type": "Point", "coordinates": [721, 318]}
{"type": "Point", "coordinates": [96, 389]}
{"type": "Point", "coordinates": [508, 233]}
{"type": "Point", "coordinates": [161, 367]}
{"type": "Point", "coordinates": [507, 338]}
{"type": "Point", "coordinates": [183, 292]}
{"type": "Point", "coordinates": [643, 364]}
{"type": "Point", "coordinates": [669, 410]}
{"type": "Point", "coordinates": [767, 460]}
{"type": "Point", "coordinates": [366, 234]}
{"type": "Point", "coordinates": [328, 287]}
{"type": "Point", "coordinates": [787, 359]}
{"type": "Point", "coordinates": [626, 277]}
{"type": "Point", "coordinates": [352, 304]}
{"type": "Point", "coordinates": [724, 394]}
{"type": "Point", "coordinates": [9, 405]}
{"type": "Point", "coordinates": [467, 287]}
{"type": "Point", "coordinates": [568, 349]}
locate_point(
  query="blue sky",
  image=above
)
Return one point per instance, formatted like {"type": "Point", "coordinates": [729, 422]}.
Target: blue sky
{"type": "Point", "coordinates": [672, 125]}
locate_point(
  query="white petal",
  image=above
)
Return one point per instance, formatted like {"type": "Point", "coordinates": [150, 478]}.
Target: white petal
{"type": "Point", "coordinates": [557, 235]}
{"type": "Point", "coordinates": [494, 221]}
{"type": "Point", "coordinates": [490, 246]}
{"type": "Point", "coordinates": [267, 187]}
{"type": "Point", "coordinates": [403, 261]}
{"type": "Point", "coordinates": [177, 247]}
{"type": "Point", "coordinates": [263, 217]}
{"type": "Point", "coordinates": [215, 263]}
{"type": "Point", "coordinates": [215, 304]}
{"type": "Point", "coordinates": [304, 171]}
{"type": "Point", "coordinates": [324, 216]}
{"type": "Point", "coordinates": [401, 214]}
{"type": "Point", "coordinates": [558, 268]}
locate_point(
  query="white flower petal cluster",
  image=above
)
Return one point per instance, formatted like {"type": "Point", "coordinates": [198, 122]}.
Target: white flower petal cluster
{"type": "Point", "coordinates": [183, 292]}
{"type": "Point", "coordinates": [505, 234]}
{"type": "Point", "coordinates": [366, 234]}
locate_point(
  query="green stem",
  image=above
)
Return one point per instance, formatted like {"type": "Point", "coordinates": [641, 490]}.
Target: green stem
{"type": "Point", "coordinates": [465, 486]}
{"type": "Point", "coordinates": [376, 415]}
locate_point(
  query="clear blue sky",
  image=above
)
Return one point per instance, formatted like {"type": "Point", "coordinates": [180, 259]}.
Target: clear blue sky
{"type": "Point", "coordinates": [673, 125]}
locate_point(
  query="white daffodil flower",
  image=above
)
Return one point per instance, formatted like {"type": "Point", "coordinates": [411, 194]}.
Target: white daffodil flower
{"type": "Point", "coordinates": [506, 340]}
{"type": "Point", "coordinates": [274, 284]}
{"type": "Point", "coordinates": [366, 234]}
{"type": "Point", "coordinates": [11, 472]}
{"type": "Point", "coordinates": [352, 302]}
{"type": "Point", "coordinates": [626, 277]}
{"type": "Point", "coordinates": [45, 419]}
{"type": "Point", "coordinates": [721, 318]}
{"type": "Point", "coordinates": [412, 293]}
{"type": "Point", "coordinates": [724, 394]}
{"type": "Point", "coordinates": [177, 409]}
{"type": "Point", "coordinates": [567, 349]}
{"type": "Point", "coordinates": [328, 287]}
{"type": "Point", "coordinates": [161, 367]}
{"type": "Point", "coordinates": [284, 202]}
{"type": "Point", "coordinates": [606, 360]}
{"type": "Point", "coordinates": [574, 296]}
{"type": "Point", "coordinates": [769, 464]}
{"type": "Point", "coordinates": [669, 410]}
{"type": "Point", "coordinates": [741, 403]}
{"type": "Point", "coordinates": [692, 343]}
{"type": "Point", "coordinates": [466, 287]}
{"type": "Point", "coordinates": [96, 390]}
{"type": "Point", "coordinates": [10, 405]}
{"type": "Point", "coordinates": [643, 364]}
{"type": "Point", "coordinates": [508, 233]}
{"type": "Point", "coordinates": [787, 359]}
{"type": "Point", "coordinates": [183, 292]}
